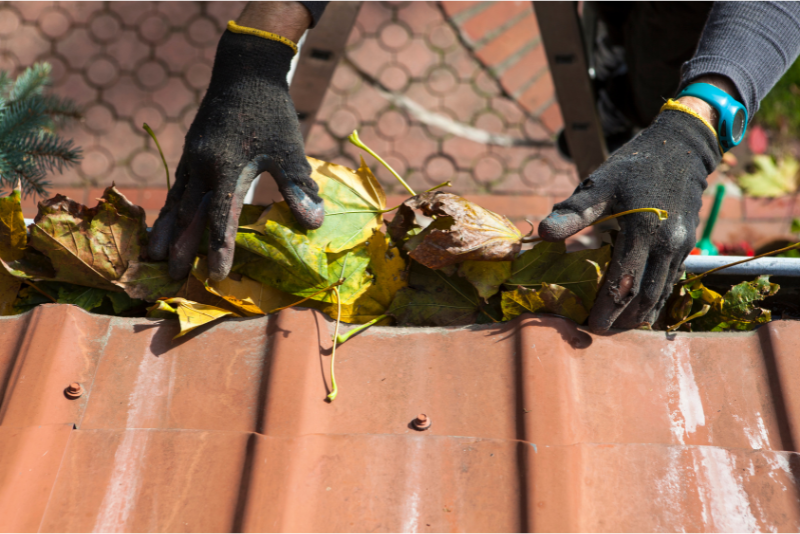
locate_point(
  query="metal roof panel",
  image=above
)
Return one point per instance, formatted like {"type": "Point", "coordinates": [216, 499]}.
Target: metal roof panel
{"type": "Point", "coordinates": [536, 425]}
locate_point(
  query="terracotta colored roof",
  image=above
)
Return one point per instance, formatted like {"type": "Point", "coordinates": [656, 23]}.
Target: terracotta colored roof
{"type": "Point", "coordinates": [536, 425]}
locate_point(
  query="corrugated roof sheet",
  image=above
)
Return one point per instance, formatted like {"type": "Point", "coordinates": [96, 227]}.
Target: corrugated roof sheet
{"type": "Point", "coordinates": [537, 425]}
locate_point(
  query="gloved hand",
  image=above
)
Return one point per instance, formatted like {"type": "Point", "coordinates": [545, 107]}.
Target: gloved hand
{"type": "Point", "coordinates": [246, 124]}
{"type": "Point", "coordinates": [664, 167]}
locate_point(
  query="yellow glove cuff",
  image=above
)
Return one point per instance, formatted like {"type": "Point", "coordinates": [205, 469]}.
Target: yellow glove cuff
{"type": "Point", "coordinates": [677, 106]}
{"type": "Point", "coordinates": [235, 28]}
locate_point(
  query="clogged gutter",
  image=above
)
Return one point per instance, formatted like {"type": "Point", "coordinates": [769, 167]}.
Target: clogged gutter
{"type": "Point", "coordinates": [444, 262]}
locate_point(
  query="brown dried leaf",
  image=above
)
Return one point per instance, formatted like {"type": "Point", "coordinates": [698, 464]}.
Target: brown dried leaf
{"type": "Point", "coordinates": [475, 233]}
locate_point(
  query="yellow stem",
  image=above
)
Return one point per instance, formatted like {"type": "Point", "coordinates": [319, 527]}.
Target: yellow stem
{"type": "Point", "coordinates": [158, 146]}
{"type": "Point", "coordinates": [448, 183]}
{"type": "Point", "coordinates": [662, 214]}
{"type": "Point", "coordinates": [353, 138]}
{"type": "Point", "coordinates": [359, 328]}
{"type": "Point", "coordinates": [335, 389]}
{"type": "Point", "coordinates": [332, 286]}
{"type": "Point", "coordinates": [702, 312]}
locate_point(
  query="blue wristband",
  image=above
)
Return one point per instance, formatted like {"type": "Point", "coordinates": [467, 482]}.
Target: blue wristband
{"type": "Point", "coordinates": [732, 114]}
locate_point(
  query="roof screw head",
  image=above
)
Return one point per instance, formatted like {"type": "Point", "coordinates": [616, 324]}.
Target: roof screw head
{"type": "Point", "coordinates": [73, 391]}
{"type": "Point", "coordinates": [422, 422]}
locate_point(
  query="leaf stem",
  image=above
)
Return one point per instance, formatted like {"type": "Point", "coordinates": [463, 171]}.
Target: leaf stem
{"type": "Point", "coordinates": [353, 138]}
{"type": "Point", "coordinates": [39, 290]}
{"type": "Point", "coordinates": [335, 389]}
{"type": "Point", "coordinates": [699, 276]}
{"type": "Point", "coordinates": [158, 146]}
{"type": "Point", "coordinates": [702, 312]}
{"type": "Point", "coordinates": [332, 286]}
{"type": "Point", "coordinates": [360, 328]}
{"type": "Point", "coordinates": [662, 214]}
{"type": "Point", "coordinates": [448, 183]}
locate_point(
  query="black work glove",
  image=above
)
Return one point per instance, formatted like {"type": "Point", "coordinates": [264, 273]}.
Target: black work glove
{"type": "Point", "coordinates": [664, 167]}
{"type": "Point", "coordinates": [245, 125]}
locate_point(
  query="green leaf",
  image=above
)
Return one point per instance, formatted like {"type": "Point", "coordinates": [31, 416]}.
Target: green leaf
{"type": "Point", "coordinates": [549, 263]}
{"type": "Point", "coordinates": [121, 302]}
{"type": "Point", "coordinates": [771, 179]}
{"type": "Point", "coordinates": [486, 276]}
{"type": "Point", "coordinates": [47, 292]}
{"type": "Point", "coordinates": [736, 310]}
{"type": "Point", "coordinates": [795, 226]}
{"type": "Point", "coordinates": [549, 298]}
{"type": "Point", "coordinates": [90, 247]}
{"type": "Point", "coordinates": [353, 204]}
{"type": "Point", "coordinates": [87, 298]}
{"type": "Point", "coordinates": [30, 297]}
{"type": "Point", "coordinates": [389, 271]}
{"type": "Point", "coordinates": [435, 299]}
{"type": "Point", "coordinates": [148, 281]}
{"type": "Point", "coordinates": [299, 267]}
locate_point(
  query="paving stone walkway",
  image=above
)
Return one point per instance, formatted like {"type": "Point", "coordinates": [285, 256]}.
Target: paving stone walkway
{"type": "Point", "coordinates": [454, 91]}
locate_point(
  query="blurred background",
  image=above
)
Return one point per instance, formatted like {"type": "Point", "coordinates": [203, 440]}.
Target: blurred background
{"type": "Point", "coordinates": [479, 64]}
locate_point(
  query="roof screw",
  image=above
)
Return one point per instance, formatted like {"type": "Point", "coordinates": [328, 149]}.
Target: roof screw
{"type": "Point", "coordinates": [73, 391]}
{"type": "Point", "coordinates": [422, 422]}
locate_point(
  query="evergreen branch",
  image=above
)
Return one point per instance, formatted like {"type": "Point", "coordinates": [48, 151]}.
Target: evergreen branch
{"type": "Point", "coordinates": [60, 108]}
{"type": "Point", "coordinates": [31, 82]}
{"type": "Point", "coordinates": [5, 83]}
{"type": "Point", "coordinates": [32, 178]}
{"type": "Point", "coordinates": [53, 153]}
{"type": "Point", "coordinates": [20, 119]}
{"type": "Point", "coordinates": [29, 146]}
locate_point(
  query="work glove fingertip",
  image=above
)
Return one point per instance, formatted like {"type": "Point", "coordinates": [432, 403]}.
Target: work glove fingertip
{"type": "Point", "coordinates": [220, 262]}
{"type": "Point", "coordinates": [559, 225]}
{"type": "Point", "coordinates": [299, 190]}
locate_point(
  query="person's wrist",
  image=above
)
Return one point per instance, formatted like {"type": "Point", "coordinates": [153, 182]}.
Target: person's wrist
{"type": "Point", "coordinates": [287, 19]}
{"type": "Point", "coordinates": [704, 109]}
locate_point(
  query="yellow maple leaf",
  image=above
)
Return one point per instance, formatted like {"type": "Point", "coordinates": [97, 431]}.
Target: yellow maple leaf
{"type": "Point", "coordinates": [190, 314]}
{"type": "Point", "coordinates": [354, 201]}
{"type": "Point", "coordinates": [389, 270]}
{"type": "Point", "coordinates": [250, 297]}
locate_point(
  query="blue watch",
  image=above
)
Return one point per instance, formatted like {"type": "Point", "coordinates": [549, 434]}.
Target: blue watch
{"type": "Point", "coordinates": [732, 114]}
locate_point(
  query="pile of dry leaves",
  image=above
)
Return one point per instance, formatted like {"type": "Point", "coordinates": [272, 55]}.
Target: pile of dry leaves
{"type": "Point", "coordinates": [444, 262]}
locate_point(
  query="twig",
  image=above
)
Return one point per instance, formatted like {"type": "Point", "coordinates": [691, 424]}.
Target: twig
{"type": "Point", "coordinates": [40, 291]}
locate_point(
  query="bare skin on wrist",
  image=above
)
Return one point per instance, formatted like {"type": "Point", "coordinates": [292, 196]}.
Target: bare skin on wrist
{"type": "Point", "coordinates": [287, 19]}
{"type": "Point", "coordinates": [704, 109]}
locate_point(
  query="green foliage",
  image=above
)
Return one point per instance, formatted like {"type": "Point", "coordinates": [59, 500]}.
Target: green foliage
{"type": "Point", "coordinates": [29, 146]}
{"type": "Point", "coordinates": [771, 179]}
{"type": "Point", "coordinates": [736, 310]}
{"type": "Point", "coordinates": [780, 109]}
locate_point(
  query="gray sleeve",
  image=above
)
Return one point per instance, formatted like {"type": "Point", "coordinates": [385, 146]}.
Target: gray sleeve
{"type": "Point", "coordinates": [752, 43]}
{"type": "Point", "coordinates": [316, 9]}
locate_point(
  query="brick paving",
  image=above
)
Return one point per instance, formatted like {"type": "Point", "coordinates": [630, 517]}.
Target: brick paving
{"type": "Point", "coordinates": [128, 63]}
{"type": "Point", "coordinates": [479, 65]}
